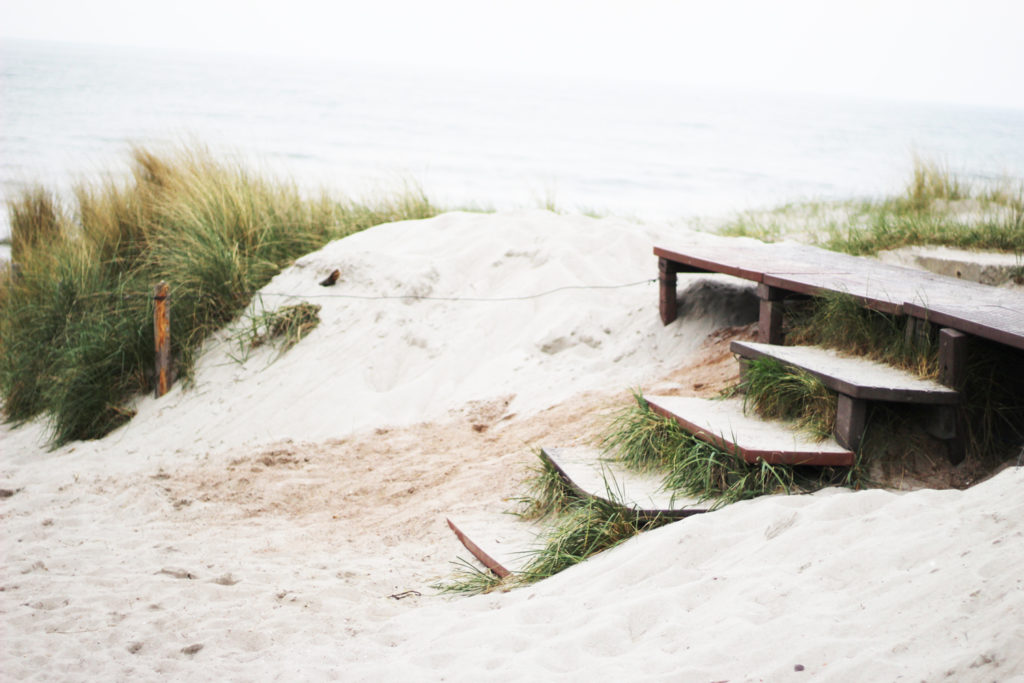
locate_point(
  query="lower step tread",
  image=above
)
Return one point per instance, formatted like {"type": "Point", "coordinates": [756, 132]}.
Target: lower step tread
{"type": "Point", "coordinates": [591, 475]}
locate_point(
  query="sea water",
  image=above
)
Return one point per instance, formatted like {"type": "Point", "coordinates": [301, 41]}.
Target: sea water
{"type": "Point", "coordinates": [652, 151]}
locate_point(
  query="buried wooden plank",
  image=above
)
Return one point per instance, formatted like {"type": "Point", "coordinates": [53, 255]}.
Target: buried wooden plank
{"type": "Point", "coordinates": [592, 476]}
{"type": "Point", "coordinates": [855, 377]}
{"type": "Point", "coordinates": [500, 542]}
{"type": "Point", "coordinates": [724, 424]}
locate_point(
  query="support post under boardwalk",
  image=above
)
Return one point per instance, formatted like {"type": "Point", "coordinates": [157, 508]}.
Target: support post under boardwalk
{"type": "Point", "coordinates": [952, 358]}
{"type": "Point", "coordinates": [162, 337]}
{"type": "Point", "coordinates": [769, 328]}
{"type": "Point", "coordinates": [948, 421]}
{"type": "Point", "coordinates": [851, 418]}
{"type": "Point", "coordinates": [667, 290]}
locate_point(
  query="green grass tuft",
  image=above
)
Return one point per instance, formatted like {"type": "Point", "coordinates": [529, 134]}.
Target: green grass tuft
{"type": "Point", "coordinates": [547, 493]}
{"type": "Point", "coordinates": [931, 181]}
{"type": "Point", "coordinates": [935, 208]}
{"type": "Point", "coordinates": [282, 328]}
{"type": "Point", "coordinates": [838, 321]}
{"type": "Point", "coordinates": [468, 579]}
{"type": "Point", "coordinates": [780, 392]}
{"type": "Point", "coordinates": [589, 527]}
{"type": "Point", "coordinates": [640, 438]}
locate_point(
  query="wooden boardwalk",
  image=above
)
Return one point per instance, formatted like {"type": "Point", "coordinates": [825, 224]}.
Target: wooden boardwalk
{"type": "Point", "coordinates": [785, 270]}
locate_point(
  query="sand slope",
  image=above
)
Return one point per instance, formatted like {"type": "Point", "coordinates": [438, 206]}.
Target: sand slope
{"type": "Point", "coordinates": [254, 526]}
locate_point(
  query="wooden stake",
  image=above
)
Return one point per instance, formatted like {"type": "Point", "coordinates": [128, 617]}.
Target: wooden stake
{"type": "Point", "coordinates": [162, 336]}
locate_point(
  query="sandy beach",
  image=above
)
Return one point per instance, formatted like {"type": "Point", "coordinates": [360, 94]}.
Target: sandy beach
{"type": "Point", "coordinates": [283, 518]}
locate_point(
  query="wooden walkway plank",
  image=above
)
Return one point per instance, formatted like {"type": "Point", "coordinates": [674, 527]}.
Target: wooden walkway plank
{"type": "Point", "coordinates": [858, 378]}
{"type": "Point", "coordinates": [724, 424]}
{"type": "Point", "coordinates": [594, 477]}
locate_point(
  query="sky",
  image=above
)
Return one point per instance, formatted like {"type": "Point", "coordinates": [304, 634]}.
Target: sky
{"type": "Point", "coordinates": [950, 51]}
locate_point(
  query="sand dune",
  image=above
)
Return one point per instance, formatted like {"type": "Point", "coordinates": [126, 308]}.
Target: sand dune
{"type": "Point", "coordinates": [253, 526]}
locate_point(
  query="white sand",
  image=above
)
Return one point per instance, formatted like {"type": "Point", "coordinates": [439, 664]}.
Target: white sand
{"type": "Point", "coordinates": [267, 513]}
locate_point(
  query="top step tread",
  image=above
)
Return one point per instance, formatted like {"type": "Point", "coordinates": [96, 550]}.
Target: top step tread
{"type": "Point", "coordinates": [856, 377]}
{"type": "Point", "coordinates": [607, 480]}
{"type": "Point", "coordinates": [725, 424]}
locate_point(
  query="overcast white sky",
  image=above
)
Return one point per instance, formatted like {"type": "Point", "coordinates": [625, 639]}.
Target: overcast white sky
{"type": "Point", "coordinates": [960, 51]}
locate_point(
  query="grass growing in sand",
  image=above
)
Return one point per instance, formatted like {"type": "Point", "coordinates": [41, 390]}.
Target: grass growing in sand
{"type": "Point", "coordinates": [547, 493]}
{"type": "Point", "coordinates": [838, 321]}
{"type": "Point", "coordinates": [587, 527]}
{"type": "Point", "coordinates": [935, 208]}
{"type": "Point", "coordinates": [468, 579]}
{"type": "Point", "coordinates": [76, 340]}
{"type": "Point", "coordinates": [776, 391]}
{"type": "Point", "coordinates": [282, 328]}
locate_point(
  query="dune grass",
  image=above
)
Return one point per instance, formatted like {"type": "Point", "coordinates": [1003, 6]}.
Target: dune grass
{"type": "Point", "coordinates": [587, 527]}
{"type": "Point", "coordinates": [547, 493]}
{"type": "Point", "coordinates": [936, 208]}
{"type": "Point", "coordinates": [281, 328]}
{"type": "Point", "coordinates": [838, 321]}
{"type": "Point", "coordinates": [468, 579]}
{"type": "Point", "coordinates": [776, 391]}
{"type": "Point", "coordinates": [76, 313]}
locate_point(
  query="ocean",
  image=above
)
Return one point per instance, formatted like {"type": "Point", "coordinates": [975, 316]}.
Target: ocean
{"type": "Point", "coordinates": [646, 150]}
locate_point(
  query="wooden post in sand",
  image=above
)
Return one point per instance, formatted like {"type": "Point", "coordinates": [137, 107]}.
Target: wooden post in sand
{"type": "Point", "coordinates": [162, 336]}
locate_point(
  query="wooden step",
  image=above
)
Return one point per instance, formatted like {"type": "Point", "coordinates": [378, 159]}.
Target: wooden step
{"type": "Point", "coordinates": [856, 377]}
{"type": "Point", "coordinates": [594, 477]}
{"type": "Point", "coordinates": [501, 542]}
{"type": "Point", "coordinates": [723, 423]}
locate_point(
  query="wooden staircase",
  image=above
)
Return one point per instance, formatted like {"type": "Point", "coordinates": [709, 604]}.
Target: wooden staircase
{"type": "Point", "coordinates": [858, 381]}
{"type": "Point", "coordinates": [781, 272]}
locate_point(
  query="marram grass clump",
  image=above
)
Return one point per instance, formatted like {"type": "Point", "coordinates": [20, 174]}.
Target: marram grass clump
{"type": "Point", "coordinates": [937, 207]}
{"type": "Point", "coordinates": [587, 527]}
{"type": "Point", "coordinates": [838, 321]}
{"type": "Point", "coordinates": [469, 579]}
{"type": "Point", "coordinates": [281, 328]}
{"type": "Point", "coordinates": [547, 493]}
{"type": "Point", "coordinates": [76, 339]}
{"type": "Point", "coordinates": [777, 391]}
